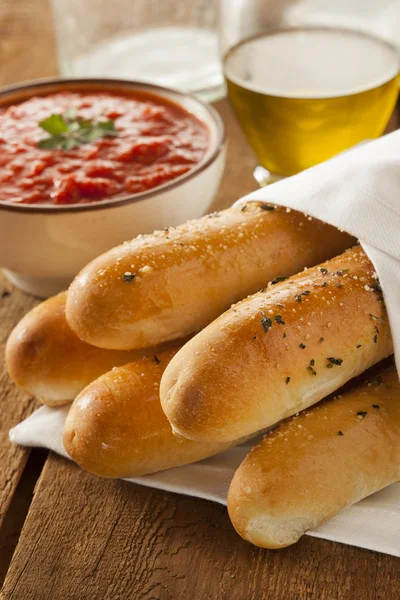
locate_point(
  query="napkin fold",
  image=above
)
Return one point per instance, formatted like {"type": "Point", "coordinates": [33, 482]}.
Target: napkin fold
{"type": "Point", "coordinates": [373, 523]}
{"type": "Point", "coordinates": [359, 192]}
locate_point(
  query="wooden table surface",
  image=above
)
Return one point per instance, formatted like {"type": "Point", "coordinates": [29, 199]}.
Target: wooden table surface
{"type": "Point", "coordinates": [65, 535]}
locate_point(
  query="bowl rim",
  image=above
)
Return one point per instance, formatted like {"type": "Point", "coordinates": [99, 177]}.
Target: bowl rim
{"type": "Point", "coordinates": [159, 90]}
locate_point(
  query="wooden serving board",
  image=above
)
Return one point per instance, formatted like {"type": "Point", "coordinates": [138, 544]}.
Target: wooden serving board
{"type": "Point", "coordinates": [83, 538]}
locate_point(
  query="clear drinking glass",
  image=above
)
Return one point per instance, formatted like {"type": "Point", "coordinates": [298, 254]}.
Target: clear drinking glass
{"type": "Point", "coordinates": [167, 42]}
{"type": "Point", "coordinates": [304, 88]}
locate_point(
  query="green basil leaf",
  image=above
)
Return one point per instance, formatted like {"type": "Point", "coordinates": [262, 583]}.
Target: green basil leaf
{"type": "Point", "coordinates": [108, 126]}
{"type": "Point", "coordinates": [55, 124]}
{"type": "Point", "coordinates": [58, 142]}
{"type": "Point", "coordinates": [50, 143]}
{"type": "Point", "coordinates": [69, 142]}
{"type": "Point", "coordinates": [84, 124]}
{"type": "Point", "coordinates": [69, 131]}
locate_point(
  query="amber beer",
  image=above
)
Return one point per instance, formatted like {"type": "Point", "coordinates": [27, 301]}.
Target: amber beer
{"type": "Point", "coordinates": [303, 95]}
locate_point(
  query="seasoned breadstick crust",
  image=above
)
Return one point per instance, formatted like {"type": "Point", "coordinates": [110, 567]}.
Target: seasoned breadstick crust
{"type": "Point", "coordinates": [49, 361]}
{"type": "Point", "coordinates": [166, 285]}
{"type": "Point", "coordinates": [279, 351]}
{"type": "Point", "coordinates": [315, 465]}
{"type": "Point", "coordinates": [116, 428]}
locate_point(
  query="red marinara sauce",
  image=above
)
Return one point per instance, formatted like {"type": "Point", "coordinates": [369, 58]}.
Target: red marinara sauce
{"type": "Point", "coordinates": [157, 142]}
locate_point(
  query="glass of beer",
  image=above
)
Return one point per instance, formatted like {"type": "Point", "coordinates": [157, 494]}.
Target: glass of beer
{"type": "Point", "coordinates": [303, 94]}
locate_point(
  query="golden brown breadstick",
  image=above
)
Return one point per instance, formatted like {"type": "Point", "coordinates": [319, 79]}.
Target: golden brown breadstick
{"type": "Point", "coordinates": [116, 428]}
{"type": "Point", "coordinates": [279, 351]}
{"type": "Point", "coordinates": [49, 361]}
{"type": "Point", "coordinates": [315, 465]}
{"type": "Point", "coordinates": [166, 285]}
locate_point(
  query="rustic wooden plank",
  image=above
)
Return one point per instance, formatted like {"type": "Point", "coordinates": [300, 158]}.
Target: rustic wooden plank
{"type": "Point", "coordinates": [18, 509]}
{"type": "Point", "coordinates": [15, 404]}
{"type": "Point", "coordinates": [88, 538]}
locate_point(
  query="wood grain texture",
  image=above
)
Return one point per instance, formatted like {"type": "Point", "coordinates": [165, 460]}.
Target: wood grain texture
{"type": "Point", "coordinates": [18, 508]}
{"type": "Point", "coordinates": [15, 404]}
{"type": "Point", "coordinates": [91, 539]}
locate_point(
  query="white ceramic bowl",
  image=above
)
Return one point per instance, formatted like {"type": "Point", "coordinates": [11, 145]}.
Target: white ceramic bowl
{"type": "Point", "coordinates": [42, 248]}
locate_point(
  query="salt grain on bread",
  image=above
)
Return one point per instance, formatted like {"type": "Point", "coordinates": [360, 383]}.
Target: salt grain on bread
{"type": "Point", "coordinates": [166, 285]}
{"type": "Point", "coordinates": [315, 465]}
{"type": "Point", "coordinates": [278, 351]}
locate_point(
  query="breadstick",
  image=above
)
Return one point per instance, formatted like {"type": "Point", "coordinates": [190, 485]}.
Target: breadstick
{"type": "Point", "coordinates": [116, 427]}
{"type": "Point", "coordinates": [315, 465]}
{"type": "Point", "coordinates": [166, 285]}
{"type": "Point", "coordinates": [279, 351]}
{"type": "Point", "coordinates": [49, 361]}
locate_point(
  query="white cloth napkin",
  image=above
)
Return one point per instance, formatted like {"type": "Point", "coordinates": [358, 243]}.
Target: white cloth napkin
{"type": "Point", "coordinates": [373, 523]}
{"type": "Point", "coordinates": [359, 192]}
